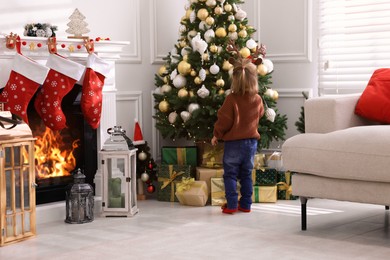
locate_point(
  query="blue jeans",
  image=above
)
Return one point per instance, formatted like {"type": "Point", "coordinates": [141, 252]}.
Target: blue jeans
{"type": "Point", "coordinates": [238, 165]}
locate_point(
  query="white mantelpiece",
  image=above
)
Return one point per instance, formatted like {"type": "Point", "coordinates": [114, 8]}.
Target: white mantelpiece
{"type": "Point", "coordinates": [36, 48]}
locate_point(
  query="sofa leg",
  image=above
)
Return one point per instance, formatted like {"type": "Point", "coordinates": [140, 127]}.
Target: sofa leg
{"type": "Point", "coordinates": [303, 212]}
{"type": "Point", "coordinates": [387, 207]}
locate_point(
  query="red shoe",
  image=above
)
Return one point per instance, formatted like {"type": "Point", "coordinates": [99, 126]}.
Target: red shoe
{"type": "Point", "coordinates": [226, 210]}
{"type": "Point", "coordinates": [244, 210]}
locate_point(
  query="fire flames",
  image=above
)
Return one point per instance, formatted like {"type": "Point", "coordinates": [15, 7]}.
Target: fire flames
{"type": "Point", "coordinates": [53, 156]}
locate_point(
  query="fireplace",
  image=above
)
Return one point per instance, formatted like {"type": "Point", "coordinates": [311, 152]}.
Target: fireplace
{"type": "Point", "coordinates": [87, 140]}
{"type": "Point", "coordinates": [58, 154]}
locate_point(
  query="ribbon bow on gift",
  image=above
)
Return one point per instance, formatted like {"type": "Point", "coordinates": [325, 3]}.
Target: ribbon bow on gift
{"type": "Point", "coordinates": [210, 156]}
{"type": "Point", "coordinates": [286, 185]}
{"type": "Point", "coordinates": [172, 177]}
{"type": "Point", "coordinates": [185, 184]}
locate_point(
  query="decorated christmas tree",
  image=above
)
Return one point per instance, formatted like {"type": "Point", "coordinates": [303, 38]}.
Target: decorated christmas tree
{"type": "Point", "coordinates": [195, 79]}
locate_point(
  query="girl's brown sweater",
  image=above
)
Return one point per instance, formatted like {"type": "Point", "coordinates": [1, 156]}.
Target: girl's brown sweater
{"type": "Point", "coordinates": [238, 117]}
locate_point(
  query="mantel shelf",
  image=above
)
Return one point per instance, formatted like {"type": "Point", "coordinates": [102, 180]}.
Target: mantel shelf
{"type": "Point", "coordinates": [72, 48]}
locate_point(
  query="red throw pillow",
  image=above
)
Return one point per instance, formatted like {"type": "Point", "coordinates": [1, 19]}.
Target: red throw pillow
{"type": "Point", "coordinates": [374, 103]}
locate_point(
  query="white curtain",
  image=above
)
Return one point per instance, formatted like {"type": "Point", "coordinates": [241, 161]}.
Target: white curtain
{"type": "Point", "coordinates": [354, 42]}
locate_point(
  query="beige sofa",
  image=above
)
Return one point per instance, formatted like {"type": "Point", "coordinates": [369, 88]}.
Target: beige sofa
{"type": "Point", "coordinates": [341, 156]}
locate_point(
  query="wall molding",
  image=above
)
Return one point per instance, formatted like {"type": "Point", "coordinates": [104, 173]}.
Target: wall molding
{"type": "Point", "coordinates": [293, 92]}
{"type": "Point", "coordinates": [134, 97]}
{"type": "Point", "coordinates": [155, 134]}
{"type": "Point", "coordinates": [134, 56]}
{"type": "Point", "coordinates": [155, 57]}
{"type": "Point", "coordinates": [306, 54]}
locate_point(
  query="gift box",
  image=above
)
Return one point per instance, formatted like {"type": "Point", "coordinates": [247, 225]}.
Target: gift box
{"type": "Point", "coordinates": [284, 186]}
{"type": "Point", "coordinates": [210, 156]}
{"type": "Point", "coordinates": [265, 177]}
{"type": "Point", "coordinates": [192, 193]}
{"type": "Point", "coordinates": [274, 160]}
{"type": "Point", "coordinates": [218, 191]}
{"type": "Point", "coordinates": [168, 176]}
{"type": "Point", "coordinates": [259, 161]}
{"type": "Point", "coordinates": [264, 194]}
{"type": "Point", "coordinates": [205, 174]}
{"type": "Point", "coordinates": [187, 155]}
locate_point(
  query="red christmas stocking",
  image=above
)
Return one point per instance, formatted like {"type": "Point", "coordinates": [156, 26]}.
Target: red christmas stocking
{"type": "Point", "coordinates": [91, 99]}
{"type": "Point", "coordinates": [62, 76]}
{"type": "Point", "coordinates": [25, 78]}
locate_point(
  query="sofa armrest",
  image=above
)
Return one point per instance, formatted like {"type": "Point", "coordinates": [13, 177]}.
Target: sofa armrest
{"type": "Point", "coordinates": [330, 113]}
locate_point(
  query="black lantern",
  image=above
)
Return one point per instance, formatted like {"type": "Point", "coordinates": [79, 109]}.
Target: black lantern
{"type": "Point", "coordinates": [79, 200]}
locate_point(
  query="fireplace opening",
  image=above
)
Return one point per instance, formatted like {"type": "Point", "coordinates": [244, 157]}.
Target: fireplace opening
{"type": "Point", "coordinates": [58, 154]}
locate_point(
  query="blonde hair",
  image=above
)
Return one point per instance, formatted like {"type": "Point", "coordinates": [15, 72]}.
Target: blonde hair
{"type": "Point", "coordinates": [244, 79]}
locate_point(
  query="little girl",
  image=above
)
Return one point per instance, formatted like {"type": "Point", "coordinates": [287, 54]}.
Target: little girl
{"type": "Point", "coordinates": [237, 124]}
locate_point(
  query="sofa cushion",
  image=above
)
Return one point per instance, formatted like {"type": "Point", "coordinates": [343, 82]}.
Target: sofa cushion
{"type": "Point", "coordinates": [357, 153]}
{"type": "Point", "coordinates": [374, 103]}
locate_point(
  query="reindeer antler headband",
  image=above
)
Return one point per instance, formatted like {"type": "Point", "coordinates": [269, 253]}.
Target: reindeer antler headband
{"type": "Point", "coordinates": [256, 58]}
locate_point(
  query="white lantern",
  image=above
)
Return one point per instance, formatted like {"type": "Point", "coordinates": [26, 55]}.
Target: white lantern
{"type": "Point", "coordinates": [118, 159]}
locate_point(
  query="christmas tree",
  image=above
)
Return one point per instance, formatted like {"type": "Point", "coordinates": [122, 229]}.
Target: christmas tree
{"type": "Point", "coordinates": [195, 79]}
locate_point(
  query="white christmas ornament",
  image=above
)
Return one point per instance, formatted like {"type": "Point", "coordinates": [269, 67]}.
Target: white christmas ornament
{"type": "Point", "coordinates": [172, 117]}
{"type": "Point", "coordinates": [192, 17]}
{"type": "Point", "coordinates": [214, 69]}
{"type": "Point", "coordinates": [158, 91]}
{"type": "Point", "coordinates": [209, 35]}
{"type": "Point", "coordinates": [240, 15]}
{"type": "Point", "coordinates": [182, 28]}
{"type": "Point", "coordinates": [233, 36]}
{"type": "Point", "coordinates": [144, 176]}
{"type": "Point", "coordinates": [173, 74]}
{"type": "Point", "coordinates": [179, 81]}
{"type": "Point", "coordinates": [166, 88]}
{"type": "Point", "coordinates": [269, 92]}
{"type": "Point", "coordinates": [184, 52]}
{"type": "Point", "coordinates": [204, 26]}
{"type": "Point", "coordinates": [235, 8]}
{"type": "Point", "coordinates": [185, 115]}
{"type": "Point", "coordinates": [250, 44]}
{"type": "Point", "coordinates": [268, 64]}
{"type": "Point", "coordinates": [142, 156]}
{"type": "Point", "coordinates": [201, 46]}
{"type": "Point", "coordinates": [211, 3]}
{"type": "Point", "coordinates": [270, 114]}
{"type": "Point", "coordinates": [192, 107]}
{"type": "Point", "coordinates": [203, 92]}
{"type": "Point", "coordinates": [202, 74]}
{"type": "Point", "coordinates": [231, 18]}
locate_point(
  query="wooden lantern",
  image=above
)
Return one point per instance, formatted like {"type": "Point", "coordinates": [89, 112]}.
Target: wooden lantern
{"type": "Point", "coordinates": [17, 184]}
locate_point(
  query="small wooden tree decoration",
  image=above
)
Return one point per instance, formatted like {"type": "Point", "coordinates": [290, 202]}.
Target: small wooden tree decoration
{"type": "Point", "coordinates": [77, 25]}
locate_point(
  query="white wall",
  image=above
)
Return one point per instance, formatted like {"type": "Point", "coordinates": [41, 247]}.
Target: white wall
{"type": "Point", "coordinates": [288, 28]}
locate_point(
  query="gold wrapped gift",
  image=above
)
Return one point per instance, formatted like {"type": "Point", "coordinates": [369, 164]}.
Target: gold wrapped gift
{"type": "Point", "coordinates": [205, 174]}
{"type": "Point", "coordinates": [192, 193]}
{"type": "Point", "coordinates": [264, 194]}
{"type": "Point", "coordinates": [218, 192]}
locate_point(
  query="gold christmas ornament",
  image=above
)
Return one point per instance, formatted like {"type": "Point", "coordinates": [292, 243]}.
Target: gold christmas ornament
{"type": "Point", "coordinates": [205, 56]}
{"type": "Point", "coordinates": [220, 32]}
{"type": "Point", "coordinates": [193, 73]}
{"type": "Point", "coordinates": [183, 44]}
{"type": "Point", "coordinates": [184, 68]}
{"type": "Point", "coordinates": [228, 7]}
{"type": "Point", "coordinates": [166, 79]}
{"type": "Point", "coordinates": [163, 106]}
{"type": "Point", "coordinates": [221, 91]}
{"type": "Point", "coordinates": [220, 83]}
{"type": "Point", "coordinates": [188, 13]}
{"type": "Point", "coordinates": [202, 14]}
{"type": "Point", "coordinates": [276, 95]}
{"type": "Point", "coordinates": [197, 81]}
{"type": "Point", "coordinates": [226, 65]}
{"type": "Point", "coordinates": [162, 71]}
{"type": "Point", "coordinates": [218, 10]}
{"type": "Point", "coordinates": [243, 33]}
{"type": "Point", "coordinates": [262, 70]}
{"type": "Point", "coordinates": [232, 27]}
{"type": "Point", "coordinates": [182, 93]}
{"type": "Point", "coordinates": [191, 93]}
{"type": "Point", "coordinates": [245, 52]}
{"type": "Point", "coordinates": [210, 20]}
{"type": "Point", "coordinates": [213, 48]}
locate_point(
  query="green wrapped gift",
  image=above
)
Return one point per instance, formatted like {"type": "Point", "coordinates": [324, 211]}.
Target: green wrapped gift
{"type": "Point", "coordinates": [284, 186]}
{"type": "Point", "coordinates": [168, 176]}
{"type": "Point", "coordinates": [186, 155]}
{"type": "Point", "coordinates": [265, 177]}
